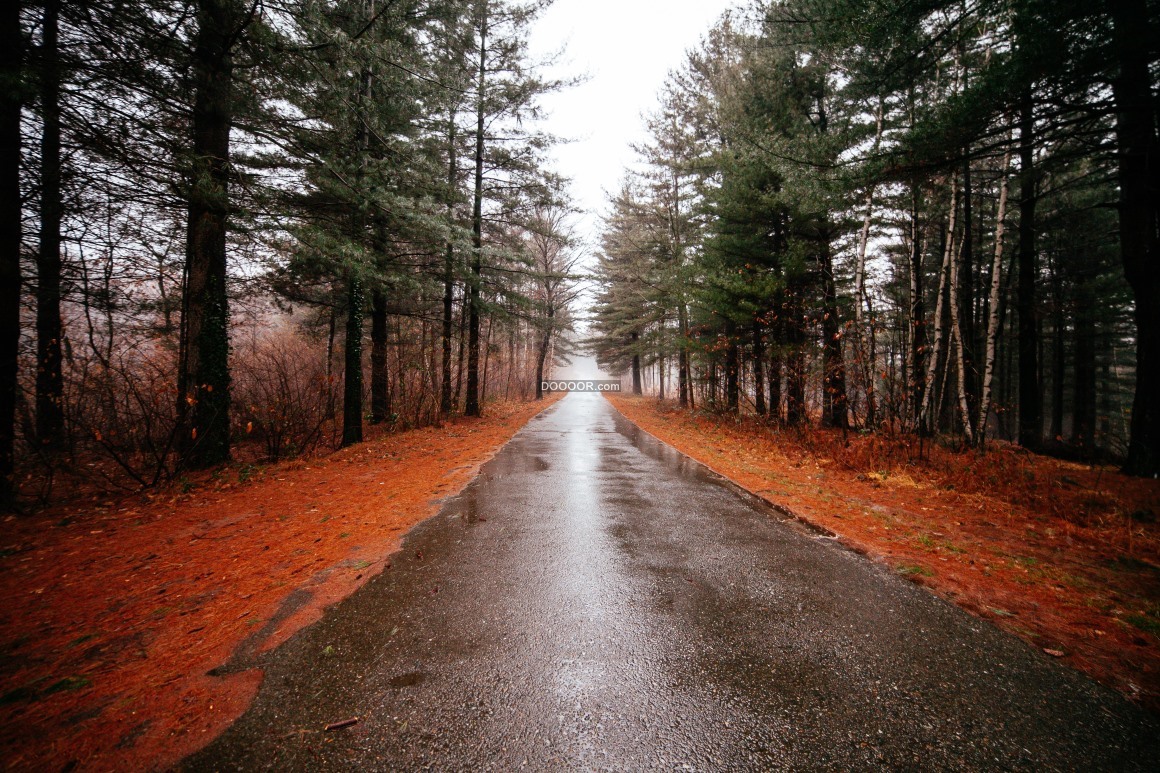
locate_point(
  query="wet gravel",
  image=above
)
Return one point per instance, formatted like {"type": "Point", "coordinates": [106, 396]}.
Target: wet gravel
{"type": "Point", "coordinates": [596, 601]}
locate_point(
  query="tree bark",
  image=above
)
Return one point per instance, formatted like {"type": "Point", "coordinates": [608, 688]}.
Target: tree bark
{"type": "Point", "coordinates": [445, 403]}
{"type": "Point", "coordinates": [1030, 390]}
{"type": "Point", "coordinates": [637, 389]}
{"type": "Point", "coordinates": [928, 413]}
{"type": "Point", "coordinates": [380, 382]}
{"type": "Point", "coordinates": [661, 375]}
{"type": "Point", "coordinates": [966, 295]}
{"type": "Point", "coordinates": [352, 392]}
{"type": "Point", "coordinates": [957, 345]}
{"type": "Point", "coordinates": [864, 365]}
{"type": "Point", "coordinates": [49, 379]}
{"type": "Point", "coordinates": [732, 370]}
{"type": "Point", "coordinates": [917, 331]}
{"type": "Point", "coordinates": [775, 373]}
{"type": "Point", "coordinates": [835, 413]}
{"type": "Point", "coordinates": [684, 395]}
{"type": "Point", "coordinates": [203, 380]}
{"type": "Point", "coordinates": [1058, 358]}
{"type": "Point", "coordinates": [994, 318]}
{"type": "Point", "coordinates": [795, 377]}
{"type": "Point", "coordinates": [352, 395]}
{"type": "Point", "coordinates": [1139, 168]}
{"type": "Point", "coordinates": [542, 354]}
{"type": "Point", "coordinates": [11, 104]}
{"type": "Point", "coordinates": [472, 407]}
{"type": "Point", "coordinates": [462, 350]}
{"type": "Point", "coordinates": [711, 397]}
{"type": "Point", "coordinates": [758, 369]}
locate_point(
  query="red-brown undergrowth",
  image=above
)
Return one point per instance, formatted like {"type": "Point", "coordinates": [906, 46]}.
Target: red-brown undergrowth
{"type": "Point", "coordinates": [115, 612]}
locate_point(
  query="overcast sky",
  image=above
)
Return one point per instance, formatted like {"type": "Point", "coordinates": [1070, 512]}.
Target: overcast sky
{"type": "Point", "coordinates": [626, 47]}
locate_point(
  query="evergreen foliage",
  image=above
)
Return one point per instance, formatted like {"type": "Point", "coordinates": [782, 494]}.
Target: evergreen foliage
{"type": "Point", "coordinates": [901, 213]}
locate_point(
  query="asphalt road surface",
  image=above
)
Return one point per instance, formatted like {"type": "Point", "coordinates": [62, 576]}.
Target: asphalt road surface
{"type": "Point", "coordinates": [594, 600]}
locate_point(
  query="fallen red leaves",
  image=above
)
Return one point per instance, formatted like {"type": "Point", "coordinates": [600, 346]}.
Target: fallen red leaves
{"type": "Point", "coordinates": [114, 613]}
{"type": "Point", "coordinates": [1065, 556]}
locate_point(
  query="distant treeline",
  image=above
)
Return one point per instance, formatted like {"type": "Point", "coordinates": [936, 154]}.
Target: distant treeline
{"type": "Point", "coordinates": [933, 217]}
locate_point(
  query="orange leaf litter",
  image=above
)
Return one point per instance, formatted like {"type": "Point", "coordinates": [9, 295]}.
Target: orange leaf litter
{"type": "Point", "coordinates": [113, 615]}
{"type": "Point", "coordinates": [1065, 556]}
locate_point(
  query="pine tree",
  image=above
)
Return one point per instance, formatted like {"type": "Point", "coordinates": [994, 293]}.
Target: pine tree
{"type": "Point", "coordinates": [554, 249]}
{"type": "Point", "coordinates": [12, 94]}
{"type": "Point", "coordinates": [49, 330]}
{"type": "Point", "coordinates": [203, 376]}
{"type": "Point", "coordinates": [506, 147]}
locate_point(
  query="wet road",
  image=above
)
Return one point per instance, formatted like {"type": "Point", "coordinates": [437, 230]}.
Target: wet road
{"type": "Point", "coordinates": [594, 600]}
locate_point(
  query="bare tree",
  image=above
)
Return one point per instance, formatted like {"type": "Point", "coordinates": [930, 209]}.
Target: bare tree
{"type": "Point", "coordinates": [553, 246]}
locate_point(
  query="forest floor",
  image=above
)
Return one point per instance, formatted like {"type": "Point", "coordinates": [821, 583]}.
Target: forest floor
{"type": "Point", "coordinates": [1065, 556]}
{"type": "Point", "coordinates": [115, 612]}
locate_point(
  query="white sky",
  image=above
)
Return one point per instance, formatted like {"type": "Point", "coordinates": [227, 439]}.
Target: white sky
{"type": "Point", "coordinates": [627, 48]}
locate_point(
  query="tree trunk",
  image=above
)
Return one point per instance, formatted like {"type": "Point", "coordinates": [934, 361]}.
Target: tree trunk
{"type": "Point", "coordinates": [483, 382]}
{"type": "Point", "coordinates": [472, 407]}
{"type": "Point", "coordinates": [917, 337]}
{"type": "Point", "coordinates": [994, 323]}
{"type": "Point", "coordinates": [864, 365]}
{"type": "Point", "coordinates": [542, 355]}
{"type": "Point", "coordinates": [758, 369]}
{"type": "Point", "coordinates": [835, 413]}
{"type": "Point", "coordinates": [11, 103]}
{"type": "Point", "coordinates": [710, 396]}
{"type": "Point", "coordinates": [380, 384]}
{"type": "Point", "coordinates": [732, 368]}
{"type": "Point", "coordinates": [352, 394]}
{"type": "Point", "coordinates": [661, 375]}
{"type": "Point", "coordinates": [445, 404]}
{"type": "Point", "coordinates": [966, 296]}
{"type": "Point", "coordinates": [795, 377]}
{"type": "Point", "coordinates": [795, 387]}
{"type": "Point", "coordinates": [203, 380]}
{"type": "Point", "coordinates": [49, 380]}
{"type": "Point", "coordinates": [510, 363]}
{"type": "Point", "coordinates": [637, 389]}
{"type": "Point", "coordinates": [928, 413]}
{"type": "Point", "coordinates": [957, 345]}
{"type": "Point", "coordinates": [1030, 391]}
{"type": "Point", "coordinates": [459, 361]}
{"type": "Point", "coordinates": [683, 385]}
{"type": "Point", "coordinates": [1058, 358]}
{"type": "Point", "coordinates": [1007, 390]}
{"type": "Point", "coordinates": [1139, 168]}
{"type": "Point", "coordinates": [775, 377]}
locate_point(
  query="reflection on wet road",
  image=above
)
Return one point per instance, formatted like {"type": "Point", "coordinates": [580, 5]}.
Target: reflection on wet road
{"type": "Point", "coordinates": [595, 600]}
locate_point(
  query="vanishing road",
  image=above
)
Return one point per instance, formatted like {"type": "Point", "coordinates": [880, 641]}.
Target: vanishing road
{"type": "Point", "coordinates": [595, 600]}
